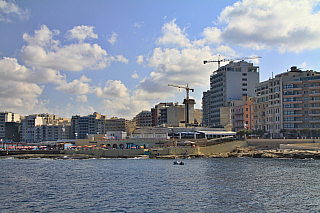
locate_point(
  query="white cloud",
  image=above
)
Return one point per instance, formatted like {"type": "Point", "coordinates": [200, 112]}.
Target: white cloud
{"type": "Point", "coordinates": [124, 107]}
{"type": "Point", "coordinates": [173, 36]}
{"type": "Point", "coordinates": [112, 89]}
{"type": "Point", "coordinates": [121, 58]}
{"type": "Point", "coordinates": [43, 51]}
{"type": "Point", "coordinates": [76, 87]}
{"type": "Point", "coordinates": [8, 10]}
{"type": "Point", "coordinates": [140, 59]}
{"type": "Point", "coordinates": [81, 33]}
{"type": "Point", "coordinates": [303, 65]}
{"type": "Point", "coordinates": [289, 25]}
{"type": "Point", "coordinates": [112, 40]}
{"type": "Point", "coordinates": [82, 98]}
{"type": "Point", "coordinates": [138, 25]}
{"type": "Point", "coordinates": [135, 75]}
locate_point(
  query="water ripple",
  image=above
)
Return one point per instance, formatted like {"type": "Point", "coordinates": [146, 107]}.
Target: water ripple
{"type": "Point", "coordinates": [143, 185]}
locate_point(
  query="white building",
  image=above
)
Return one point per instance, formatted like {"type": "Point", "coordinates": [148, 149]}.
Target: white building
{"type": "Point", "coordinates": [229, 82]}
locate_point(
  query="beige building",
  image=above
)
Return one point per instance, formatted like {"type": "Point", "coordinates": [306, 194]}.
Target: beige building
{"type": "Point", "coordinates": [238, 113]}
{"type": "Point", "coordinates": [172, 115]}
{"type": "Point", "coordinates": [289, 102]}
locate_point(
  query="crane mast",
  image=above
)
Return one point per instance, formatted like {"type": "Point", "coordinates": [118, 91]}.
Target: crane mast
{"type": "Point", "coordinates": [189, 104]}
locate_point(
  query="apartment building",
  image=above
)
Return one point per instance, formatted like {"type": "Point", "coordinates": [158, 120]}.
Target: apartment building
{"type": "Point", "coordinates": [289, 102]}
{"type": "Point", "coordinates": [115, 124]}
{"type": "Point", "coordinates": [172, 115]}
{"type": "Point", "coordinates": [238, 113]}
{"type": "Point", "coordinates": [31, 127]}
{"type": "Point", "coordinates": [6, 117]}
{"type": "Point", "coordinates": [155, 112]}
{"type": "Point", "coordinates": [81, 126]}
{"type": "Point", "coordinates": [143, 119]}
{"type": "Point", "coordinates": [227, 83]}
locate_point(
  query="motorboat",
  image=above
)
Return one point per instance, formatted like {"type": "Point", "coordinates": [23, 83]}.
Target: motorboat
{"type": "Point", "coordinates": [178, 162]}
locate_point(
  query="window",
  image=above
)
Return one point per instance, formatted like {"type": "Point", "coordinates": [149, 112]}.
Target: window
{"type": "Point", "coordinates": [244, 74]}
{"type": "Point", "coordinates": [244, 84]}
{"type": "Point", "coordinates": [244, 79]}
{"type": "Point", "coordinates": [244, 89]}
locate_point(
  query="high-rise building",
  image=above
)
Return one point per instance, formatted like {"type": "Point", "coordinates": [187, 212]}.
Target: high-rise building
{"type": "Point", "coordinates": [229, 82]}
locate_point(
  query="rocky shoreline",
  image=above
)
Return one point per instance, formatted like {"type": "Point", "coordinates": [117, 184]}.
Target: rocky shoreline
{"type": "Point", "coordinates": [255, 152]}
{"type": "Point", "coordinates": [239, 152]}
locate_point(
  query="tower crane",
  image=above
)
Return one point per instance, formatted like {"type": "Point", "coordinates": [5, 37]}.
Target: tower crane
{"type": "Point", "coordinates": [189, 104]}
{"type": "Point", "coordinates": [183, 87]}
{"type": "Point", "coordinates": [234, 59]}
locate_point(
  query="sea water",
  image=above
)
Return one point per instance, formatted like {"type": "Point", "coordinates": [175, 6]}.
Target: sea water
{"type": "Point", "coordinates": [151, 185]}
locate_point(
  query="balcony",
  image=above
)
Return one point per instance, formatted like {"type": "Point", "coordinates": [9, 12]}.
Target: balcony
{"type": "Point", "coordinates": [314, 94]}
{"type": "Point", "coordinates": [292, 102]}
{"type": "Point", "coordinates": [314, 101]}
{"type": "Point", "coordinates": [293, 122]}
{"type": "Point", "coordinates": [293, 95]}
{"type": "Point", "coordinates": [314, 87]}
{"type": "Point", "coordinates": [314, 115]}
{"type": "Point", "coordinates": [314, 121]}
{"type": "Point", "coordinates": [294, 115]}
{"type": "Point", "coordinates": [293, 89]}
{"type": "Point", "coordinates": [298, 108]}
{"type": "Point", "coordinates": [315, 107]}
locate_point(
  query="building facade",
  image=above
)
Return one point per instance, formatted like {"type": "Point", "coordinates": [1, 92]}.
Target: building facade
{"type": "Point", "coordinates": [289, 102]}
{"type": "Point", "coordinates": [229, 82]}
{"type": "Point", "coordinates": [7, 117]}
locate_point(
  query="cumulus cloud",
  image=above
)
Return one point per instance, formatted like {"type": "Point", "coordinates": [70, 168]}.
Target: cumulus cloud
{"type": "Point", "coordinates": [140, 59]}
{"type": "Point", "coordinates": [289, 25]}
{"type": "Point", "coordinates": [82, 98]}
{"type": "Point", "coordinates": [81, 33]}
{"type": "Point", "coordinates": [121, 58]}
{"type": "Point", "coordinates": [20, 86]}
{"type": "Point", "coordinates": [135, 75]}
{"type": "Point", "coordinates": [111, 90]}
{"type": "Point", "coordinates": [127, 107]}
{"type": "Point", "coordinates": [112, 40]}
{"type": "Point", "coordinates": [43, 51]}
{"type": "Point", "coordinates": [76, 87]}
{"type": "Point", "coordinates": [9, 10]}
{"type": "Point", "coordinates": [173, 36]}
{"type": "Point", "coordinates": [138, 24]}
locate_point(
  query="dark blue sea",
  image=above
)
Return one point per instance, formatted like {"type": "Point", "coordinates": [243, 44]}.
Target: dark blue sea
{"type": "Point", "coordinates": [150, 185]}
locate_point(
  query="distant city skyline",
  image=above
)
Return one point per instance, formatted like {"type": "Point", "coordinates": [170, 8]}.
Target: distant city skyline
{"type": "Point", "coordinates": [117, 57]}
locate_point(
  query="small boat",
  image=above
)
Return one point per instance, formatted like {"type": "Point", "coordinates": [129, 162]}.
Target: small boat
{"type": "Point", "coordinates": [178, 162]}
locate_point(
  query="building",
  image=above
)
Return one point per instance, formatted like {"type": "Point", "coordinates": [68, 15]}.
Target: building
{"type": "Point", "coordinates": [289, 102]}
{"type": "Point", "coordinates": [31, 127]}
{"type": "Point", "coordinates": [143, 119]}
{"type": "Point", "coordinates": [238, 114]}
{"type": "Point", "coordinates": [115, 124]}
{"type": "Point", "coordinates": [7, 117]}
{"type": "Point", "coordinates": [155, 112]}
{"type": "Point", "coordinates": [81, 126]}
{"type": "Point", "coordinates": [172, 115]}
{"type": "Point", "coordinates": [229, 82]}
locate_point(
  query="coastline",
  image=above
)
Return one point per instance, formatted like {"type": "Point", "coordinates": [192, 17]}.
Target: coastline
{"type": "Point", "coordinates": [239, 152]}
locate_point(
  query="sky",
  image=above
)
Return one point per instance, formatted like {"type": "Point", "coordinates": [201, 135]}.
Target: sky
{"type": "Point", "coordinates": [117, 57]}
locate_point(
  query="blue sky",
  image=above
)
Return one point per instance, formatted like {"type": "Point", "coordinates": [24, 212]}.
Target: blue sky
{"type": "Point", "coordinates": [116, 57]}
